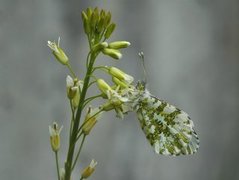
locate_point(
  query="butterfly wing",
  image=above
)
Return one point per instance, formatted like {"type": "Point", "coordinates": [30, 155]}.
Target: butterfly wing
{"type": "Point", "coordinates": [169, 130]}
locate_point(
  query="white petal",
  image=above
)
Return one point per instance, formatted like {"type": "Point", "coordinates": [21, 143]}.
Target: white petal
{"type": "Point", "coordinates": [59, 131]}
{"type": "Point", "coordinates": [58, 42]}
{"type": "Point", "coordinates": [69, 81]}
{"type": "Point", "coordinates": [93, 163]}
{"type": "Point", "coordinates": [129, 78]}
{"type": "Point", "coordinates": [50, 131]}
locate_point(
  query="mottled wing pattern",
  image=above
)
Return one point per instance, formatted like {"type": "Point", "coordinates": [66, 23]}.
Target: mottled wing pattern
{"type": "Point", "coordinates": [169, 130]}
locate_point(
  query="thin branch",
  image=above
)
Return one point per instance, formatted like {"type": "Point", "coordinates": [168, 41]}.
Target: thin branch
{"type": "Point", "coordinates": [57, 165]}
{"type": "Point", "coordinates": [91, 83]}
{"type": "Point", "coordinates": [78, 153]}
{"type": "Point", "coordinates": [104, 68]}
{"type": "Point", "coordinates": [72, 119]}
{"type": "Point", "coordinates": [88, 100]}
{"type": "Point", "coordinates": [71, 70]}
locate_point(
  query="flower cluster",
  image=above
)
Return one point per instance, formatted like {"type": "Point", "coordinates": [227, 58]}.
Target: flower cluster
{"type": "Point", "coordinates": [97, 24]}
{"type": "Point", "coordinates": [98, 28]}
{"type": "Point", "coordinates": [118, 96]}
{"type": "Point", "coordinates": [168, 129]}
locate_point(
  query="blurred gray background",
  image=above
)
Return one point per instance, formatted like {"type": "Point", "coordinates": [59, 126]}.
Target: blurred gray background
{"type": "Point", "coordinates": [192, 58]}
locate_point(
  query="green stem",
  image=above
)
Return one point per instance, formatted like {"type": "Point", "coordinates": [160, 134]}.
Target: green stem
{"type": "Point", "coordinates": [91, 99]}
{"type": "Point", "coordinates": [78, 137]}
{"type": "Point", "coordinates": [71, 149]}
{"type": "Point", "coordinates": [77, 156]}
{"type": "Point", "coordinates": [57, 165]}
{"type": "Point", "coordinates": [87, 59]}
{"type": "Point", "coordinates": [91, 83]}
{"type": "Point", "coordinates": [71, 70]}
{"type": "Point", "coordinates": [104, 68]}
{"type": "Point", "coordinates": [72, 120]}
{"type": "Point", "coordinates": [89, 38]}
{"type": "Point", "coordinates": [81, 178]}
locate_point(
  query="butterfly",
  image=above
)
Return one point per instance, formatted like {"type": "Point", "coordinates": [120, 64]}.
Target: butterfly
{"type": "Point", "coordinates": [169, 130]}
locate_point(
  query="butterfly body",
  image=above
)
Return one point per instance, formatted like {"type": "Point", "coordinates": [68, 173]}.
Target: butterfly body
{"type": "Point", "coordinates": [168, 129]}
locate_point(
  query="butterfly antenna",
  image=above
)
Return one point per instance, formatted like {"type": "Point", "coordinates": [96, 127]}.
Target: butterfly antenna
{"type": "Point", "coordinates": [141, 55]}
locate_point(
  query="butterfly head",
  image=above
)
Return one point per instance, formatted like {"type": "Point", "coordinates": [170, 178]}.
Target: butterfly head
{"type": "Point", "coordinates": [141, 85]}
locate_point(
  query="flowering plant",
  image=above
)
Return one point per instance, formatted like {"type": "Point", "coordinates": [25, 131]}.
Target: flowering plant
{"type": "Point", "coordinates": [168, 129]}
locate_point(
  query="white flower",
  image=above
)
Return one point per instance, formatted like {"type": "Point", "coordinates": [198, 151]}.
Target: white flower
{"type": "Point", "coordinates": [73, 83]}
{"type": "Point", "coordinates": [69, 82]}
{"type": "Point", "coordinates": [58, 52]}
{"type": "Point", "coordinates": [62, 173]}
{"type": "Point", "coordinates": [122, 76]}
{"type": "Point", "coordinates": [53, 46]}
{"type": "Point", "coordinates": [89, 169]}
{"type": "Point", "coordinates": [115, 98]}
{"type": "Point", "coordinates": [119, 101]}
{"type": "Point", "coordinates": [93, 163]}
{"type": "Point", "coordinates": [91, 119]}
{"type": "Point", "coordinates": [55, 136]}
{"type": "Point", "coordinates": [73, 89]}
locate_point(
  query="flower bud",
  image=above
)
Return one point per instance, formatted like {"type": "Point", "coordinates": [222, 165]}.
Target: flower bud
{"type": "Point", "coordinates": [89, 169]}
{"type": "Point", "coordinates": [120, 75]}
{"type": "Point", "coordinates": [100, 46]}
{"type": "Point", "coordinates": [119, 82]}
{"type": "Point", "coordinates": [110, 29]}
{"type": "Point", "coordinates": [62, 174]}
{"type": "Point", "coordinates": [96, 13]}
{"type": "Point", "coordinates": [70, 87]}
{"type": "Point", "coordinates": [76, 99]}
{"type": "Point", "coordinates": [58, 52]}
{"type": "Point", "coordinates": [103, 86]}
{"type": "Point", "coordinates": [86, 22]}
{"type": "Point", "coordinates": [119, 44]}
{"type": "Point", "coordinates": [107, 19]}
{"type": "Point", "coordinates": [94, 18]}
{"type": "Point", "coordinates": [107, 106]}
{"type": "Point", "coordinates": [102, 13]}
{"type": "Point", "coordinates": [55, 136]}
{"type": "Point", "coordinates": [112, 53]}
{"type": "Point", "coordinates": [90, 123]}
{"type": "Point", "coordinates": [89, 12]}
{"type": "Point", "coordinates": [90, 120]}
{"type": "Point", "coordinates": [100, 25]}
{"type": "Point", "coordinates": [73, 90]}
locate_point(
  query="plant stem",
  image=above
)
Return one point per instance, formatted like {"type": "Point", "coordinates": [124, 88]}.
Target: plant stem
{"type": "Point", "coordinates": [87, 59]}
{"type": "Point", "coordinates": [68, 164]}
{"type": "Point", "coordinates": [104, 68]}
{"type": "Point", "coordinates": [71, 70]}
{"type": "Point", "coordinates": [77, 156]}
{"type": "Point", "coordinates": [91, 98]}
{"type": "Point", "coordinates": [91, 83]}
{"type": "Point", "coordinates": [72, 120]}
{"type": "Point", "coordinates": [57, 165]}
